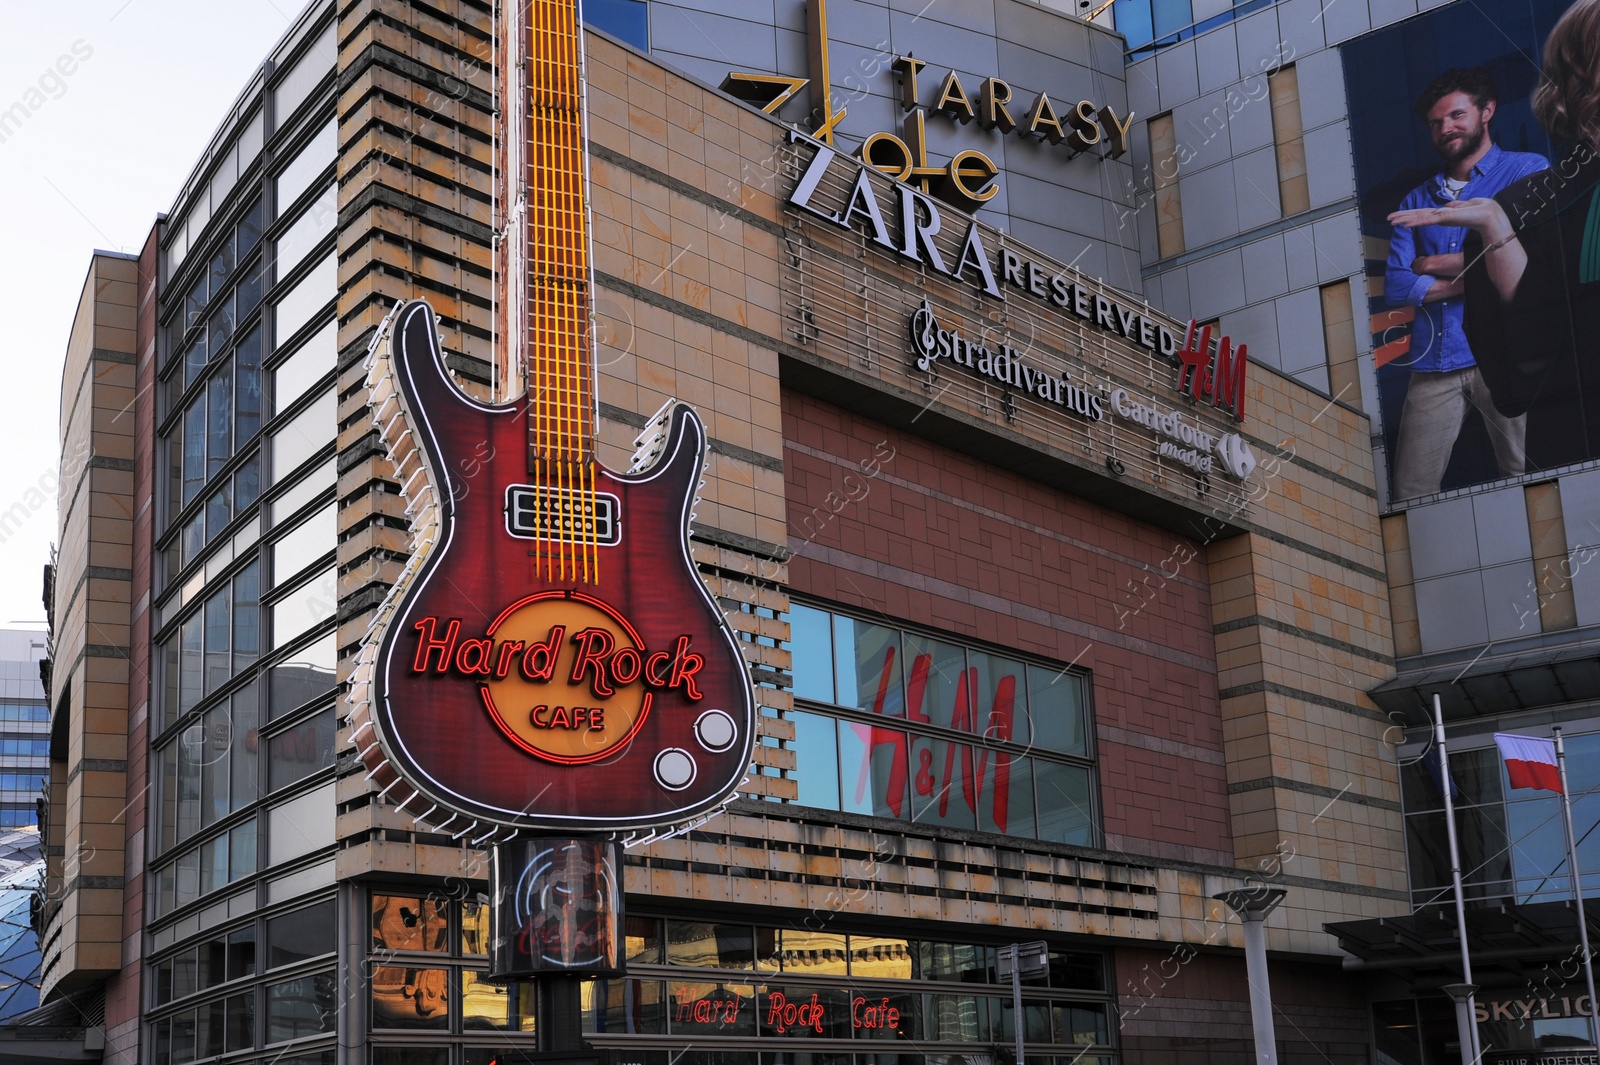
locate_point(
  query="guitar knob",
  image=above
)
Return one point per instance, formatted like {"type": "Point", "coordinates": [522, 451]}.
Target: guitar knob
{"type": "Point", "coordinates": [675, 769]}
{"type": "Point", "coordinates": [715, 731]}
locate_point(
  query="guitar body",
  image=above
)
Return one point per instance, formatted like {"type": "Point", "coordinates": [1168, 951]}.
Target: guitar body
{"type": "Point", "coordinates": [550, 658]}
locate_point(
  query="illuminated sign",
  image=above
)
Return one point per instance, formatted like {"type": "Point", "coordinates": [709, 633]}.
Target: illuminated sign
{"type": "Point", "coordinates": [549, 658]}
{"type": "Point", "coordinates": [1188, 443]}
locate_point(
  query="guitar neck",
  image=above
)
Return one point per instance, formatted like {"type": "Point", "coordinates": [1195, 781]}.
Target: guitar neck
{"type": "Point", "coordinates": [547, 317]}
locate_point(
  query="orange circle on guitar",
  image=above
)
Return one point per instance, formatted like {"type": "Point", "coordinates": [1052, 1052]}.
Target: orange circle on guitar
{"type": "Point", "coordinates": [562, 650]}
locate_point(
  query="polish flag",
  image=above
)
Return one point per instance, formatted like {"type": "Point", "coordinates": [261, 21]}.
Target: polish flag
{"type": "Point", "coordinates": [1530, 762]}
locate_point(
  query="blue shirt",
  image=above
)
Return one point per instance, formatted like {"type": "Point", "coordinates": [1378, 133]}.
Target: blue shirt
{"type": "Point", "coordinates": [1438, 343]}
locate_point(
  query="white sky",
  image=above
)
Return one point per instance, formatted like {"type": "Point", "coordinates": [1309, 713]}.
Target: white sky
{"type": "Point", "coordinates": [91, 168]}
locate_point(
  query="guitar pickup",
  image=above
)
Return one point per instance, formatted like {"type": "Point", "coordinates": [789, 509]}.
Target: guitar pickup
{"type": "Point", "coordinates": [563, 515]}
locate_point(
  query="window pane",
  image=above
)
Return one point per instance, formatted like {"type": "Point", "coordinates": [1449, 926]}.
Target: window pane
{"type": "Point", "coordinates": [938, 684]}
{"type": "Point", "coordinates": [961, 962]}
{"type": "Point", "coordinates": [956, 1018]}
{"type": "Point", "coordinates": [484, 1005]}
{"type": "Point", "coordinates": [306, 607]}
{"type": "Point", "coordinates": [872, 769]}
{"type": "Point", "coordinates": [245, 786]}
{"type": "Point", "coordinates": [218, 512]}
{"type": "Point", "coordinates": [219, 423]}
{"type": "Point", "coordinates": [309, 295]}
{"type": "Point", "coordinates": [191, 747]}
{"type": "Point", "coordinates": [409, 922]}
{"type": "Point", "coordinates": [241, 953]}
{"type": "Point", "coordinates": [816, 760]}
{"type": "Point", "coordinates": [219, 328]}
{"type": "Point", "coordinates": [475, 926]}
{"type": "Point", "coordinates": [1005, 792]}
{"type": "Point", "coordinates": [1055, 708]}
{"type": "Point", "coordinates": [1064, 806]}
{"type": "Point", "coordinates": [942, 786]}
{"type": "Point", "coordinates": [315, 223]}
{"type": "Point", "coordinates": [806, 953]}
{"type": "Point", "coordinates": [313, 159]}
{"type": "Point", "coordinates": [249, 231]}
{"type": "Point", "coordinates": [213, 864]}
{"type": "Point", "coordinates": [313, 484]}
{"type": "Point", "coordinates": [192, 640]}
{"type": "Point", "coordinates": [306, 543]}
{"type": "Point", "coordinates": [194, 449]}
{"type": "Point", "coordinates": [301, 1007]}
{"type": "Point", "coordinates": [247, 385]}
{"type": "Point", "coordinates": [247, 484]}
{"type": "Point", "coordinates": [219, 639]}
{"type": "Point", "coordinates": [811, 643]}
{"type": "Point", "coordinates": [246, 616]}
{"type": "Point", "coordinates": [867, 666]}
{"type": "Point", "coordinates": [301, 751]}
{"type": "Point", "coordinates": [711, 1009]}
{"type": "Point", "coordinates": [880, 957]}
{"type": "Point", "coordinates": [310, 363]}
{"type": "Point", "coordinates": [300, 934]}
{"type": "Point", "coordinates": [1000, 697]}
{"type": "Point", "coordinates": [314, 64]}
{"type": "Point", "coordinates": [192, 541]}
{"type": "Point", "coordinates": [303, 676]}
{"type": "Point", "coordinates": [310, 431]}
{"type": "Point", "coordinates": [241, 1021]}
{"type": "Point", "coordinates": [634, 1007]}
{"type": "Point", "coordinates": [222, 263]}
{"type": "Point", "coordinates": [216, 738]}
{"type": "Point", "coordinates": [410, 998]}
{"type": "Point", "coordinates": [252, 283]}
{"type": "Point", "coordinates": [717, 946]}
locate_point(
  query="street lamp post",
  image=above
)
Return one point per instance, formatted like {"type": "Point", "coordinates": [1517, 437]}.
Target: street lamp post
{"type": "Point", "coordinates": [1252, 905]}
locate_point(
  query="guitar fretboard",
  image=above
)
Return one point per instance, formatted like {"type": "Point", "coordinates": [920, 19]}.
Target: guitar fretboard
{"type": "Point", "coordinates": [549, 276]}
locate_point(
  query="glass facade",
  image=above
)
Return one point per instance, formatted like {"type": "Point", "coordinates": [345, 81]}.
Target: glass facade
{"type": "Point", "coordinates": [242, 720]}
{"type": "Point", "coordinates": [707, 987]}
{"type": "Point", "coordinates": [897, 723]}
{"type": "Point", "coordinates": [1150, 25]}
{"type": "Point", "coordinates": [1511, 840]}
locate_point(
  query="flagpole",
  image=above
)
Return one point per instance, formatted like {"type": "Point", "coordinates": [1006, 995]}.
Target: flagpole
{"type": "Point", "coordinates": [1577, 888]}
{"type": "Point", "coordinates": [1466, 1008]}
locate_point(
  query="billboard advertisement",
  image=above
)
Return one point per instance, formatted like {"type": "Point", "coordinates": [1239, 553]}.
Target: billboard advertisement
{"type": "Point", "coordinates": [1476, 170]}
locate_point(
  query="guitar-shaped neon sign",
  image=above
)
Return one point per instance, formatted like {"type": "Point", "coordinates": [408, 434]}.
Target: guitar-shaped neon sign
{"type": "Point", "coordinates": [550, 658]}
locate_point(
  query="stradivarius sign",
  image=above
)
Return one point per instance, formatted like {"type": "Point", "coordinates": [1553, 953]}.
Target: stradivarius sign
{"type": "Point", "coordinates": [931, 342]}
{"type": "Point", "coordinates": [1182, 440]}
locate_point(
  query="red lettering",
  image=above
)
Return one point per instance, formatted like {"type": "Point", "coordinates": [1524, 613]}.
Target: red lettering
{"type": "Point", "coordinates": [894, 738]}
{"type": "Point", "coordinates": [508, 650]}
{"type": "Point", "coordinates": [882, 1015]}
{"type": "Point", "coordinates": [593, 646]}
{"type": "Point", "coordinates": [474, 656]}
{"type": "Point", "coordinates": [685, 664]}
{"type": "Point", "coordinates": [1227, 378]}
{"type": "Point", "coordinates": [427, 644]}
{"type": "Point", "coordinates": [1193, 360]}
{"type": "Point", "coordinates": [652, 665]}
{"type": "Point", "coordinates": [625, 665]}
{"type": "Point", "coordinates": [539, 663]}
{"type": "Point", "coordinates": [1221, 381]}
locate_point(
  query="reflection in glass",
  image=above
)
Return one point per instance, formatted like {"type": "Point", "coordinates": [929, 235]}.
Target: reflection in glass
{"type": "Point", "coordinates": [880, 957]}
{"type": "Point", "coordinates": [407, 922]}
{"type": "Point", "coordinates": [816, 760]}
{"type": "Point", "coordinates": [956, 1018]}
{"type": "Point", "coordinates": [307, 673]}
{"type": "Point", "coordinates": [938, 685]}
{"type": "Point", "coordinates": [717, 946]}
{"type": "Point", "coordinates": [246, 616]}
{"type": "Point", "coordinates": [634, 1007]}
{"type": "Point", "coordinates": [1065, 810]}
{"type": "Point", "coordinates": [867, 666]}
{"type": "Point", "coordinates": [811, 643]}
{"type": "Point", "coordinates": [1055, 702]}
{"type": "Point", "coordinates": [300, 934]}
{"type": "Point", "coordinates": [404, 997]}
{"type": "Point", "coordinates": [642, 940]}
{"type": "Point", "coordinates": [813, 953]}
{"type": "Point", "coordinates": [302, 750]}
{"type": "Point", "coordinates": [1005, 792]}
{"type": "Point", "coordinates": [484, 1005]}
{"type": "Point", "coordinates": [711, 1008]}
{"type": "Point", "coordinates": [872, 769]}
{"type": "Point", "coordinates": [943, 790]}
{"type": "Point", "coordinates": [794, 1011]}
{"type": "Point", "coordinates": [301, 1007]}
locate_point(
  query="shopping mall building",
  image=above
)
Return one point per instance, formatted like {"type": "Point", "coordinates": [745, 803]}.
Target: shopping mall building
{"type": "Point", "coordinates": [1062, 622]}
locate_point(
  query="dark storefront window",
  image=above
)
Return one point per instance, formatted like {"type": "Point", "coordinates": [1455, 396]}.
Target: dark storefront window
{"type": "Point", "coordinates": [877, 991]}
{"type": "Point", "coordinates": [905, 725]}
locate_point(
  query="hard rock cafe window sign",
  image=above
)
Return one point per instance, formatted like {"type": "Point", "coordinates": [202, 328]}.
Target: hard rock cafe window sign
{"type": "Point", "coordinates": [785, 985]}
